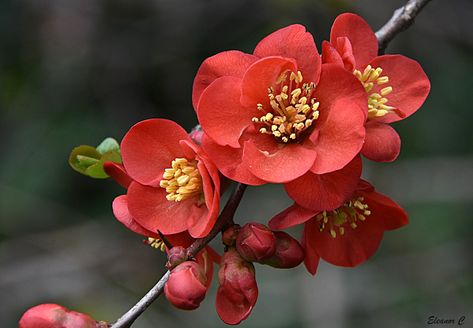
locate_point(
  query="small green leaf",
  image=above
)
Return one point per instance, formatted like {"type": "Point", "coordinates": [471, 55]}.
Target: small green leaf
{"type": "Point", "coordinates": [81, 157]}
{"type": "Point", "coordinates": [109, 144]}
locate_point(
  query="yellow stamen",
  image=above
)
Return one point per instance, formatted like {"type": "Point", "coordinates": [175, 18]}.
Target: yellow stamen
{"type": "Point", "coordinates": [376, 100]}
{"type": "Point", "coordinates": [182, 180]}
{"type": "Point", "coordinates": [349, 214]}
{"type": "Point", "coordinates": [155, 243]}
{"type": "Point", "coordinates": [291, 111]}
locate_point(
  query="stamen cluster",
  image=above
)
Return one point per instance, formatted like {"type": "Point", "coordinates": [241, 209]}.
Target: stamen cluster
{"type": "Point", "coordinates": [292, 111]}
{"type": "Point", "coordinates": [182, 180]}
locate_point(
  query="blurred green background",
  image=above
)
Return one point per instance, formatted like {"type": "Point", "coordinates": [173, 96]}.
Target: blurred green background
{"type": "Point", "coordinates": [73, 72]}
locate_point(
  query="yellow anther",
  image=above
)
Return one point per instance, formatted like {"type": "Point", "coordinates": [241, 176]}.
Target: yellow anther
{"type": "Point", "coordinates": [376, 100]}
{"type": "Point", "coordinates": [182, 180]}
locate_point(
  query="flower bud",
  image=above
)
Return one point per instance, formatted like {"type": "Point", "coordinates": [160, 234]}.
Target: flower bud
{"type": "Point", "coordinates": [289, 253]}
{"type": "Point", "coordinates": [197, 134]}
{"type": "Point", "coordinates": [186, 286]}
{"type": "Point", "coordinates": [57, 316]}
{"type": "Point", "coordinates": [230, 235]}
{"type": "Point", "coordinates": [255, 242]}
{"type": "Point", "coordinates": [237, 292]}
{"type": "Point", "coordinates": [176, 256]}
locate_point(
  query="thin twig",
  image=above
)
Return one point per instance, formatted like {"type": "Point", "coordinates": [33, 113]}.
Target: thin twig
{"type": "Point", "coordinates": [225, 218]}
{"type": "Point", "coordinates": [401, 20]}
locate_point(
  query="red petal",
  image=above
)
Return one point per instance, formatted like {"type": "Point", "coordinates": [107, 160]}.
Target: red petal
{"type": "Point", "coordinates": [344, 48]}
{"type": "Point", "coordinates": [385, 210]}
{"type": "Point", "coordinates": [275, 162]}
{"type": "Point", "coordinates": [311, 259]}
{"type": "Point", "coordinates": [152, 210]}
{"type": "Point", "coordinates": [121, 212]}
{"type": "Point", "coordinates": [117, 172]}
{"type": "Point", "coordinates": [227, 63]}
{"type": "Point", "coordinates": [293, 42]}
{"type": "Point", "coordinates": [220, 113]}
{"type": "Point", "coordinates": [382, 143]}
{"type": "Point", "coordinates": [343, 108]}
{"type": "Point", "coordinates": [352, 248]}
{"type": "Point", "coordinates": [325, 191]}
{"type": "Point", "coordinates": [149, 147]}
{"type": "Point", "coordinates": [259, 77]}
{"type": "Point", "coordinates": [291, 216]}
{"type": "Point", "coordinates": [229, 162]}
{"type": "Point", "coordinates": [360, 34]}
{"type": "Point", "coordinates": [410, 85]}
{"type": "Point", "coordinates": [330, 55]}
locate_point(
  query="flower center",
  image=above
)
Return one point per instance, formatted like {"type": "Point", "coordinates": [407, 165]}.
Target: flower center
{"type": "Point", "coordinates": [292, 111]}
{"type": "Point", "coordinates": [377, 102]}
{"type": "Point", "coordinates": [182, 180]}
{"type": "Point", "coordinates": [350, 213]}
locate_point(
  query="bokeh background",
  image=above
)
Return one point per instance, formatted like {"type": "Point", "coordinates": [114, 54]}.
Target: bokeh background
{"type": "Point", "coordinates": [74, 72]}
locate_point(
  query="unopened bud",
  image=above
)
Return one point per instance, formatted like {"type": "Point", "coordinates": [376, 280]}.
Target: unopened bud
{"type": "Point", "coordinates": [186, 286]}
{"type": "Point", "coordinates": [176, 256]}
{"type": "Point", "coordinates": [57, 316]}
{"type": "Point", "coordinates": [237, 292]}
{"type": "Point", "coordinates": [255, 242]}
{"type": "Point", "coordinates": [230, 235]}
{"type": "Point", "coordinates": [196, 134]}
{"type": "Point", "coordinates": [289, 253]}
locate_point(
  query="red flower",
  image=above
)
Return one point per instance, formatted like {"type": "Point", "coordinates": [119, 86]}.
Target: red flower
{"type": "Point", "coordinates": [396, 85]}
{"type": "Point", "coordinates": [174, 188]}
{"type": "Point", "coordinates": [276, 114]}
{"type": "Point", "coordinates": [348, 235]}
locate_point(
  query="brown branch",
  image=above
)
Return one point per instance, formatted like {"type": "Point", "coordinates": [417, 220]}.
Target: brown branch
{"type": "Point", "coordinates": [225, 218]}
{"type": "Point", "coordinates": [401, 20]}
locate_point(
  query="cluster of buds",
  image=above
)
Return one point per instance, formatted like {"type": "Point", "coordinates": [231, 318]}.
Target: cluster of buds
{"type": "Point", "coordinates": [254, 242]}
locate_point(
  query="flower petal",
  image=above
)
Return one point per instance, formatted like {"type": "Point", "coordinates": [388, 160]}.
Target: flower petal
{"type": "Point", "coordinates": [330, 55]}
{"type": "Point", "coordinates": [229, 162]}
{"type": "Point", "coordinates": [274, 162]}
{"type": "Point", "coordinates": [117, 172]}
{"type": "Point", "coordinates": [153, 211]}
{"type": "Point", "coordinates": [227, 63]}
{"type": "Point", "coordinates": [325, 191]}
{"type": "Point", "coordinates": [340, 127]}
{"type": "Point", "coordinates": [149, 147]}
{"type": "Point", "coordinates": [382, 143]}
{"type": "Point", "coordinates": [410, 85]}
{"type": "Point", "coordinates": [361, 36]}
{"type": "Point", "coordinates": [386, 210]}
{"type": "Point", "coordinates": [293, 42]}
{"type": "Point", "coordinates": [312, 258]}
{"type": "Point", "coordinates": [290, 217]}
{"type": "Point", "coordinates": [220, 113]}
{"type": "Point", "coordinates": [260, 76]}
{"type": "Point", "coordinates": [121, 212]}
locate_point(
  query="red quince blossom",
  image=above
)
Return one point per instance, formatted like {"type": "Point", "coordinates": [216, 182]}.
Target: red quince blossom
{"type": "Point", "coordinates": [396, 85]}
{"type": "Point", "coordinates": [255, 242]}
{"type": "Point", "coordinates": [348, 235]}
{"type": "Point", "coordinates": [278, 113]}
{"type": "Point", "coordinates": [288, 254]}
{"type": "Point", "coordinates": [237, 291]}
{"type": "Point", "coordinates": [174, 187]}
{"type": "Point", "coordinates": [187, 286]}
{"type": "Point", "coordinates": [57, 316]}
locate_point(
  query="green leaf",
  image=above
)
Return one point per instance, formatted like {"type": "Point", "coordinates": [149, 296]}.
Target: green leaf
{"type": "Point", "coordinates": [82, 157]}
{"type": "Point", "coordinates": [109, 144]}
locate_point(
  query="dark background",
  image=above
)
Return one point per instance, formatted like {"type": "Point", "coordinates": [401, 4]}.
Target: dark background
{"type": "Point", "coordinates": [74, 72]}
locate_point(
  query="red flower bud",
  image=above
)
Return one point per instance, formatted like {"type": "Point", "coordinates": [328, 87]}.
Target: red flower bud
{"type": "Point", "coordinates": [57, 316]}
{"type": "Point", "coordinates": [255, 242]}
{"type": "Point", "coordinates": [230, 235]}
{"type": "Point", "coordinates": [289, 253]}
{"type": "Point", "coordinates": [176, 256]}
{"type": "Point", "coordinates": [186, 286]}
{"type": "Point", "coordinates": [237, 292]}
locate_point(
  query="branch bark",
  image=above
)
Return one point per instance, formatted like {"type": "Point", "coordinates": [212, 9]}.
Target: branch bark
{"type": "Point", "coordinates": [402, 18]}
{"type": "Point", "coordinates": [225, 219]}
